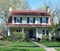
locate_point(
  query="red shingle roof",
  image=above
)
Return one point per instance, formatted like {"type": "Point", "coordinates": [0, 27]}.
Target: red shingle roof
{"type": "Point", "coordinates": [29, 12]}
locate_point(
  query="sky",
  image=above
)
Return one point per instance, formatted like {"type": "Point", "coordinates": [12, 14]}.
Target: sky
{"type": "Point", "coordinates": [35, 4]}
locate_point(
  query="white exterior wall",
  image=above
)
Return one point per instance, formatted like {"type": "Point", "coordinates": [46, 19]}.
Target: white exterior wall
{"type": "Point", "coordinates": [12, 20]}
{"type": "Point", "coordinates": [50, 36]}
{"type": "Point", "coordinates": [24, 20]}
{"type": "Point", "coordinates": [37, 20]}
{"type": "Point", "coordinates": [39, 33]}
{"type": "Point", "coordinates": [49, 21]}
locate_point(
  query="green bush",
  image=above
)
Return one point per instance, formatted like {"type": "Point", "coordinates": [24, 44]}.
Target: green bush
{"type": "Point", "coordinates": [9, 38]}
{"type": "Point", "coordinates": [19, 36]}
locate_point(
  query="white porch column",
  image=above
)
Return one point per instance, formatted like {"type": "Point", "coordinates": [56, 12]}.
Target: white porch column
{"type": "Point", "coordinates": [49, 36]}
{"type": "Point", "coordinates": [23, 30]}
{"type": "Point", "coordinates": [12, 20]}
{"type": "Point", "coordinates": [36, 32]}
{"type": "Point", "coordinates": [8, 31]}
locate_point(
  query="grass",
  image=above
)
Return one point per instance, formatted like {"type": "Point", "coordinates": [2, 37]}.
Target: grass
{"type": "Point", "coordinates": [58, 49]}
{"type": "Point", "coordinates": [51, 44]}
{"type": "Point", "coordinates": [22, 44]}
{"type": "Point", "coordinates": [19, 46]}
{"type": "Point", "coordinates": [20, 49]}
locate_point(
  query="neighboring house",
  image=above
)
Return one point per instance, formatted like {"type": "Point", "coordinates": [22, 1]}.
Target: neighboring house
{"type": "Point", "coordinates": [58, 32]}
{"type": "Point", "coordinates": [35, 23]}
{"type": "Point", "coordinates": [56, 20]}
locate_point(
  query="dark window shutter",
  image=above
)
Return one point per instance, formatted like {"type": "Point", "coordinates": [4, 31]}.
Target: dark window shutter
{"type": "Point", "coordinates": [20, 19]}
{"type": "Point", "coordinates": [40, 20]}
{"type": "Point", "coordinates": [27, 20]}
{"type": "Point", "coordinates": [46, 20]}
{"type": "Point", "coordinates": [33, 20]}
{"type": "Point", "coordinates": [14, 19]}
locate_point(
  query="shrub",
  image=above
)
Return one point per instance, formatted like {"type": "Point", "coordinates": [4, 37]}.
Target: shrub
{"type": "Point", "coordinates": [9, 38]}
{"type": "Point", "coordinates": [19, 36]}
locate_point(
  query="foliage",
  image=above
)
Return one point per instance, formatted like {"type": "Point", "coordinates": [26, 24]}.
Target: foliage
{"type": "Point", "coordinates": [58, 49]}
{"type": "Point", "coordinates": [4, 43]}
{"type": "Point", "coordinates": [45, 37]}
{"type": "Point", "coordinates": [19, 36]}
{"type": "Point", "coordinates": [15, 4]}
{"type": "Point", "coordinates": [8, 38]}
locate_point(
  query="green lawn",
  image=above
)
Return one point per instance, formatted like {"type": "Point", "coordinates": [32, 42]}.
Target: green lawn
{"type": "Point", "coordinates": [58, 49]}
{"type": "Point", "coordinates": [20, 49]}
{"type": "Point", "coordinates": [19, 46]}
{"type": "Point", "coordinates": [51, 44]}
{"type": "Point", "coordinates": [25, 44]}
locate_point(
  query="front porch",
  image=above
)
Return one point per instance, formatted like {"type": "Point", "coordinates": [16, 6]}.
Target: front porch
{"type": "Point", "coordinates": [31, 32]}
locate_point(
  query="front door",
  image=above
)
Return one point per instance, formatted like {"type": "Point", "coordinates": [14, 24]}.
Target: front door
{"type": "Point", "coordinates": [30, 33]}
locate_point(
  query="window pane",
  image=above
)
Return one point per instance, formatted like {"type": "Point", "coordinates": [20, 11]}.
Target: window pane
{"type": "Point", "coordinates": [31, 20]}
{"type": "Point", "coordinates": [43, 20]}
{"type": "Point", "coordinates": [18, 19]}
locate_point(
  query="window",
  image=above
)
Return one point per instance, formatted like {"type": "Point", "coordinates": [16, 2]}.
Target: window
{"type": "Point", "coordinates": [31, 20]}
{"type": "Point", "coordinates": [17, 19]}
{"type": "Point", "coordinates": [17, 30]}
{"type": "Point", "coordinates": [43, 31]}
{"type": "Point", "coordinates": [43, 20]}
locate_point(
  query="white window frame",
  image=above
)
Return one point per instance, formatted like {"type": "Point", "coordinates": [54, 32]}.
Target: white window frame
{"type": "Point", "coordinates": [16, 21]}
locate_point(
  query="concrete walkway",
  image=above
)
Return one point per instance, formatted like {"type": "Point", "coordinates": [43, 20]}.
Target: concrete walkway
{"type": "Point", "coordinates": [40, 45]}
{"type": "Point", "coordinates": [50, 49]}
{"type": "Point", "coordinates": [43, 46]}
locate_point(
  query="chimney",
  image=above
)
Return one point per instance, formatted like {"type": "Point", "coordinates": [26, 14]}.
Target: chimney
{"type": "Point", "coordinates": [10, 9]}
{"type": "Point", "coordinates": [47, 9]}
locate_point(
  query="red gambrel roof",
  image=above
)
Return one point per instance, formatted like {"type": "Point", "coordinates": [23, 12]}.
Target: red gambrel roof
{"type": "Point", "coordinates": [29, 13]}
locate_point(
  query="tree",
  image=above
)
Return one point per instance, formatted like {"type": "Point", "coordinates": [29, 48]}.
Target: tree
{"type": "Point", "coordinates": [54, 10]}
{"type": "Point", "coordinates": [15, 4]}
{"type": "Point", "coordinates": [54, 7]}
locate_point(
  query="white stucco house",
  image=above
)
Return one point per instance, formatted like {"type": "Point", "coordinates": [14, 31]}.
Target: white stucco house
{"type": "Point", "coordinates": [35, 23]}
